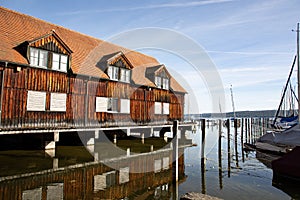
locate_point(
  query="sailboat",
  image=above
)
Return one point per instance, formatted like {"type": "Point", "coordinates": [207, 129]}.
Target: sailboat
{"type": "Point", "coordinates": [286, 140]}
{"type": "Point", "coordinates": [286, 115]}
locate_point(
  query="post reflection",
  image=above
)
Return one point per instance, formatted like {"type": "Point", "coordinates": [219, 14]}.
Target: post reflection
{"type": "Point", "coordinates": [220, 155]}
{"type": "Point", "coordinates": [203, 191]}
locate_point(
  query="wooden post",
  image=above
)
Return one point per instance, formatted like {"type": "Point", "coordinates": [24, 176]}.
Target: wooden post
{"type": "Point", "coordinates": [242, 131]}
{"type": "Point", "coordinates": [235, 142]}
{"type": "Point", "coordinates": [220, 155]}
{"type": "Point", "coordinates": [115, 139]}
{"type": "Point", "coordinates": [175, 170]}
{"type": "Point", "coordinates": [175, 152]}
{"type": "Point", "coordinates": [220, 128]}
{"type": "Point", "coordinates": [228, 147]}
{"type": "Point", "coordinates": [202, 156]}
{"type": "Point", "coordinates": [202, 139]}
{"type": "Point", "coordinates": [128, 152]}
{"type": "Point", "coordinates": [143, 138]}
{"type": "Point", "coordinates": [242, 139]}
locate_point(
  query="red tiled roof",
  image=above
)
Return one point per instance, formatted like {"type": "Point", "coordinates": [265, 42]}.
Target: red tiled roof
{"type": "Point", "coordinates": [17, 28]}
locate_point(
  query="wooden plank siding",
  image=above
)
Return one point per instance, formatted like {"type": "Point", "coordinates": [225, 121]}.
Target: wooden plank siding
{"type": "Point", "coordinates": [16, 85]}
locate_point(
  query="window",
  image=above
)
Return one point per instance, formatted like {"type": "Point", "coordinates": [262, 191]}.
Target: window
{"type": "Point", "coordinates": [125, 75]}
{"type": "Point", "coordinates": [112, 105]}
{"type": "Point", "coordinates": [165, 84]}
{"type": "Point", "coordinates": [119, 74]}
{"type": "Point", "coordinates": [161, 82]}
{"type": "Point", "coordinates": [59, 62]}
{"type": "Point", "coordinates": [158, 81]}
{"type": "Point", "coordinates": [38, 57]}
{"type": "Point", "coordinates": [113, 73]}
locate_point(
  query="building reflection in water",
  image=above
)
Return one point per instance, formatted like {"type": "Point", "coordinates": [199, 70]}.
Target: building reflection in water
{"type": "Point", "coordinates": [79, 175]}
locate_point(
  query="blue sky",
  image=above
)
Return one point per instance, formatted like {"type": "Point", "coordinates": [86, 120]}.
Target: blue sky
{"type": "Point", "coordinates": [250, 42]}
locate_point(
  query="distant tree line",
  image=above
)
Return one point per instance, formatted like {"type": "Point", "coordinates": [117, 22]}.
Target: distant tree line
{"type": "Point", "coordinates": [239, 114]}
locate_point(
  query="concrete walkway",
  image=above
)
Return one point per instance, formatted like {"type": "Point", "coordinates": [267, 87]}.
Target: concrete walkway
{"type": "Point", "coordinates": [197, 196]}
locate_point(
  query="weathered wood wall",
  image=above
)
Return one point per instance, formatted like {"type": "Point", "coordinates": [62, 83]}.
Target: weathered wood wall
{"type": "Point", "coordinates": [17, 83]}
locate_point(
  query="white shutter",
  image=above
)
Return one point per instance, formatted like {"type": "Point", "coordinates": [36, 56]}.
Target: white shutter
{"type": "Point", "coordinates": [58, 102]}
{"type": "Point", "coordinates": [125, 106]}
{"type": "Point", "coordinates": [157, 108]}
{"type": "Point", "coordinates": [101, 104]}
{"type": "Point", "coordinates": [36, 101]}
{"type": "Point", "coordinates": [166, 108]}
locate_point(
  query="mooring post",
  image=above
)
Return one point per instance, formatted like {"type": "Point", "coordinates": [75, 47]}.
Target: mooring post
{"type": "Point", "coordinates": [115, 139]}
{"type": "Point", "coordinates": [175, 152]}
{"type": "Point", "coordinates": [128, 152]}
{"type": "Point", "coordinates": [202, 156]}
{"type": "Point", "coordinates": [175, 170]}
{"type": "Point", "coordinates": [242, 132]}
{"type": "Point", "coordinates": [202, 139]}
{"type": "Point", "coordinates": [143, 138]}
{"type": "Point", "coordinates": [235, 141]}
{"type": "Point", "coordinates": [228, 147]}
{"type": "Point", "coordinates": [220, 155]}
{"type": "Point", "coordinates": [220, 128]}
{"type": "Point", "coordinates": [50, 146]}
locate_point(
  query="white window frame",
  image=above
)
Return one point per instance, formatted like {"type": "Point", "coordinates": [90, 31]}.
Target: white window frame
{"type": "Point", "coordinates": [127, 76]}
{"type": "Point", "coordinates": [36, 57]}
{"type": "Point", "coordinates": [165, 84]}
{"type": "Point", "coordinates": [158, 81]}
{"type": "Point", "coordinates": [118, 73]}
{"type": "Point", "coordinates": [113, 105]}
{"type": "Point", "coordinates": [113, 72]}
{"type": "Point", "coordinates": [124, 75]}
{"type": "Point", "coordinates": [61, 64]}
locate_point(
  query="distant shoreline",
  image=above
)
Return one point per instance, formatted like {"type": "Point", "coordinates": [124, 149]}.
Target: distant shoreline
{"type": "Point", "coordinates": [239, 114]}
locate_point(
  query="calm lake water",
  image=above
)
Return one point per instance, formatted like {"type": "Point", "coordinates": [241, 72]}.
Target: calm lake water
{"type": "Point", "coordinates": [234, 175]}
{"type": "Point", "coordinates": [105, 172]}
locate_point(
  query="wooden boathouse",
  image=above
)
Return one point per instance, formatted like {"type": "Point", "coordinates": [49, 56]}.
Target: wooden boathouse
{"type": "Point", "coordinates": [53, 79]}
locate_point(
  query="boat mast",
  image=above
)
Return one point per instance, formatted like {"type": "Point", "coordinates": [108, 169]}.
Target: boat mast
{"type": "Point", "coordinates": [298, 67]}
{"type": "Point", "coordinates": [232, 101]}
{"type": "Point", "coordinates": [284, 91]}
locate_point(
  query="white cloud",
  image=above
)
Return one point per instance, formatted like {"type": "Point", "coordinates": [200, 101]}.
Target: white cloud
{"type": "Point", "coordinates": [146, 7]}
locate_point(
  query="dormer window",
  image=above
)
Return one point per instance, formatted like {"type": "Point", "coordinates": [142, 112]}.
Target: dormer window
{"type": "Point", "coordinates": [125, 75]}
{"type": "Point", "coordinates": [38, 57]}
{"type": "Point", "coordinates": [118, 67]}
{"type": "Point", "coordinates": [49, 52]}
{"type": "Point", "coordinates": [119, 74]}
{"type": "Point", "coordinates": [113, 72]}
{"type": "Point", "coordinates": [59, 62]}
{"type": "Point", "coordinates": [162, 80]}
